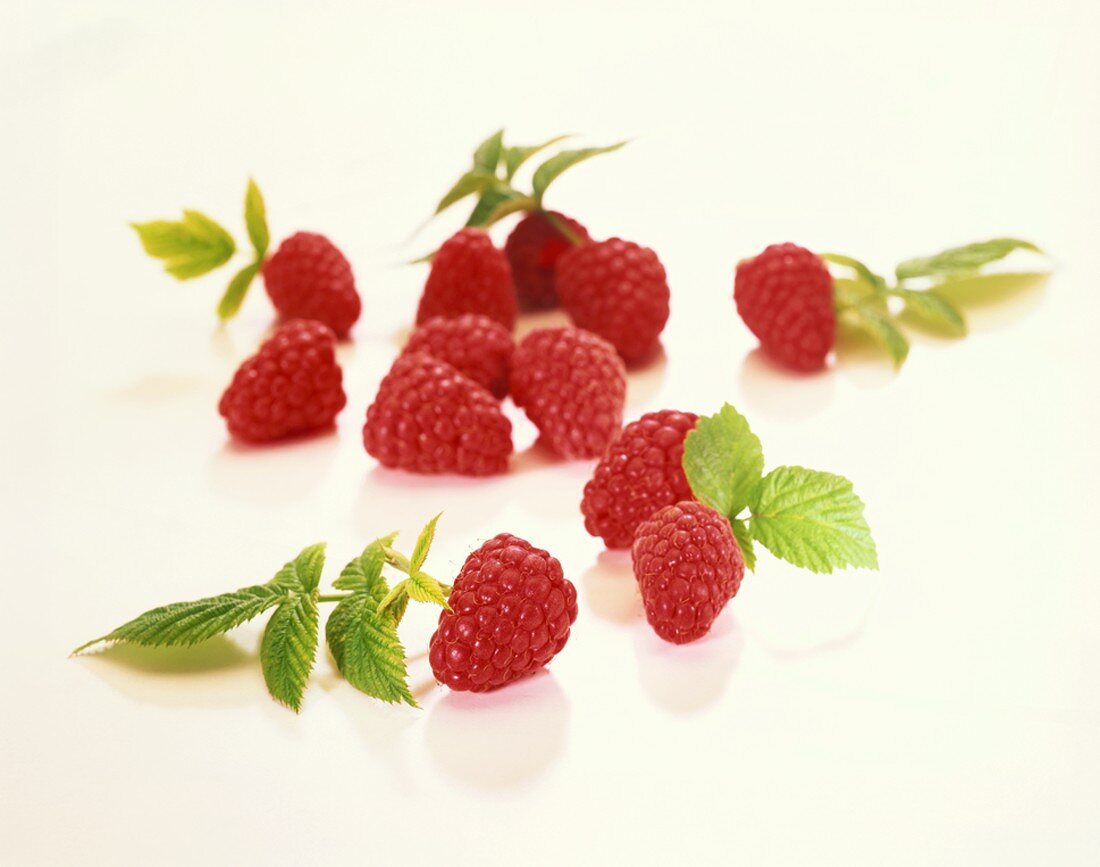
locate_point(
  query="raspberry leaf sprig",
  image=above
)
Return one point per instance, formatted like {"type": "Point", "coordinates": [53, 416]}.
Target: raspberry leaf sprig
{"type": "Point", "coordinates": [810, 518]}
{"type": "Point", "coordinates": [361, 631]}
{"type": "Point", "coordinates": [494, 169]}
{"type": "Point", "coordinates": [197, 245]}
{"type": "Point", "coordinates": [863, 297]}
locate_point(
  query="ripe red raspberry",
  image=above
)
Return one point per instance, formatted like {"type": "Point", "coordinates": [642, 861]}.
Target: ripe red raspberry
{"type": "Point", "coordinates": [511, 609]}
{"type": "Point", "coordinates": [618, 290]}
{"type": "Point", "coordinates": [469, 275]}
{"type": "Point", "coordinates": [572, 386]}
{"type": "Point", "coordinates": [309, 278]}
{"type": "Point", "coordinates": [641, 472]}
{"type": "Point", "coordinates": [291, 386]}
{"type": "Point", "coordinates": [785, 297]}
{"type": "Point", "coordinates": [475, 346]}
{"type": "Point", "coordinates": [429, 418]}
{"type": "Point", "coordinates": [532, 249]}
{"type": "Point", "coordinates": [688, 567]}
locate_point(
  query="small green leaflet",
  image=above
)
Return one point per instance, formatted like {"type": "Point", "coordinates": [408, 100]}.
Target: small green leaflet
{"type": "Point", "coordinates": [723, 461]}
{"type": "Point", "coordinates": [516, 156]}
{"type": "Point", "coordinates": [743, 535]}
{"type": "Point", "coordinates": [812, 519]}
{"type": "Point", "coordinates": [489, 202]}
{"type": "Point", "coordinates": [931, 309]}
{"type": "Point", "coordinates": [877, 322]}
{"type": "Point", "coordinates": [474, 181]}
{"type": "Point", "coordinates": [190, 247]}
{"type": "Point", "coordinates": [487, 155]}
{"type": "Point", "coordinates": [561, 161]}
{"type": "Point", "coordinates": [364, 573]}
{"type": "Point", "coordinates": [255, 218]}
{"type": "Point", "coordinates": [231, 301]}
{"type": "Point", "coordinates": [188, 623]}
{"type": "Point", "coordinates": [367, 650]}
{"type": "Point", "coordinates": [960, 260]}
{"type": "Point", "coordinates": [873, 280]}
{"type": "Point", "coordinates": [424, 588]}
{"type": "Point", "coordinates": [424, 543]}
{"type": "Point", "coordinates": [303, 573]}
{"type": "Point", "coordinates": [289, 647]}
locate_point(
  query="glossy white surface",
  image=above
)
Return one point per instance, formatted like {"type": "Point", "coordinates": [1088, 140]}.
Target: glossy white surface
{"type": "Point", "coordinates": [943, 710]}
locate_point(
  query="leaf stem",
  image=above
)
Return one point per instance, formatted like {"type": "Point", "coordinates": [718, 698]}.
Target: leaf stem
{"type": "Point", "coordinates": [563, 230]}
{"type": "Point", "coordinates": [334, 597]}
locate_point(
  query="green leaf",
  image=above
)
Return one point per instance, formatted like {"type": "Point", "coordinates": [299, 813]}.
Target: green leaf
{"type": "Point", "coordinates": [190, 247]}
{"type": "Point", "coordinates": [487, 155]}
{"type": "Point", "coordinates": [473, 181]}
{"type": "Point", "coordinates": [424, 588]}
{"type": "Point", "coordinates": [364, 573]}
{"type": "Point", "coordinates": [516, 156]}
{"type": "Point", "coordinates": [424, 543]}
{"type": "Point", "coordinates": [289, 647]}
{"type": "Point", "coordinates": [962, 260]}
{"type": "Point", "coordinates": [188, 623]}
{"type": "Point", "coordinates": [933, 310]}
{"type": "Point", "coordinates": [865, 274]}
{"type": "Point", "coordinates": [398, 607]}
{"type": "Point", "coordinates": [487, 204]}
{"type": "Point", "coordinates": [303, 573]}
{"type": "Point", "coordinates": [876, 322]}
{"type": "Point", "coordinates": [231, 301]}
{"type": "Point", "coordinates": [255, 218]}
{"type": "Point", "coordinates": [812, 519]}
{"type": "Point", "coordinates": [743, 535]}
{"type": "Point", "coordinates": [723, 461]}
{"type": "Point", "coordinates": [561, 161]}
{"type": "Point", "coordinates": [367, 650]}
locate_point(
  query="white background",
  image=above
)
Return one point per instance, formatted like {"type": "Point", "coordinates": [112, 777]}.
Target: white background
{"type": "Point", "coordinates": [943, 710]}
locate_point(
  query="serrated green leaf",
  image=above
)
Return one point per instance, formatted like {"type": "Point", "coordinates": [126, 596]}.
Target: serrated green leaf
{"type": "Point", "coordinates": [848, 292]}
{"type": "Point", "coordinates": [398, 607]}
{"type": "Point", "coordinates": [487, 204]}
{"type": "Point", "coordinates": [931, 309]}
{"type": "Point", "coordinates": [234, 295]}
{"type": "Point", "coordinates": [876, 322]}
{"type": "Point", "coordinates": [487, 155]}
{"type": "Point", "coordinates": [980, 289]}
{"type": "Point", "coordinates": [424, 588]}
{"type": "Point", "coordinates": [812, 519]}
{"type": "Point", "coordinates": [723, 461]}
{"type": "Point", "coordinates": [255, 218]}
{"type": "Point", "coordinates": [961, 260]}
{"type": "Point", "coordinates": [516, 156]}
{"type": "Point", "coordinates": [367, 650]}
{"type": "Point", "coordinates": [364, 573]}
{"type": "Point", "coordinates": [187, 623]}
{"type": "Point", "coordinates": [743, 535]}
{"type": "Point", "coordinates": [561, 161]}
{"type": "Point", "coordinates": [473, 181]}
{"type": "Point", "coordinates": [189, 247]}
{"type": "Point", "coordinates": [865, 274]}
{"type": "Point", "coordinates": [289, 647]}
{"type": "Point", "coordinates": [424, 543]}
{"type": "Point", "coordinates": [303, 573]}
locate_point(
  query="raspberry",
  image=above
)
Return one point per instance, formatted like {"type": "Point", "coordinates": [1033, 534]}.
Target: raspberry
{"type": "Point", "coordinates": [429, 418]}
{"type": "Point", "coordinates": [511, 609]}
{"type": "Point", "coordinates": [532, 249]}
{"type": "Point", "coordinates": [475, 346]}
{"type": "Point", "coordinates": [469, 275]}
{"type": "Point", "coordinates": [688, 567]}
{"type": "Point", "coordinates": [618, 290]}
{"type": "Point", "coordinates": [309, 278]}
{"type": "Point", "coordinates": [572, 386]}
{"type": "Point", "coordinates": [641, 472]}
{"type": "Point", "coordinates": [785, 297]}
{"type": "Point", "coordinates": [291, 386]}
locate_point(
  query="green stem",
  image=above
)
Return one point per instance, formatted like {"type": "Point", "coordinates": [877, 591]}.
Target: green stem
{"type": "Point", "coordinates": [563, 230]}
{"type": "Point", "coordinates": [333, 597]}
